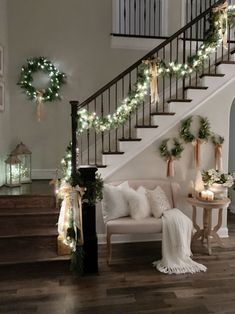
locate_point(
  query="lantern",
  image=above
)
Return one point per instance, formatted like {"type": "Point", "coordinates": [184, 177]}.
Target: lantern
{"type": "Point", "coordinates": [24, 155]}
{"type": "Point", "coordinates": [13, 165]}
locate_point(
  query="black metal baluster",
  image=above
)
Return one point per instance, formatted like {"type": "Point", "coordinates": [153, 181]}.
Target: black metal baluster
{"type": "Point", "coordinates": [196, 50]}
{"type": "Point", "coordinates": [124, 15]}
{"type": "Point", "coordinates": [177, 59]}
{"type": "Point", "coordinates": [102, 115]}
{"type": "Point", "coordinates": [137, 113]}
{"type": "Point", "coordinates": [135, 32]}
{"type": "Point", "coordinates": [109, 109]}
{"type": "Point", "coordinates": [130, 115]}
{"type": "Point", "coordinates": [160, 18]}
{"type": "Point", "coordinates": [116, 130]}
{"type": "Point", "coordinates": [88, 139]}
{"type": "Point", "coordinates": [145, 17]}
{"type": "Point", "coordinates": [95, 107]}
{"type": "Point", "coordinates": [154, 18]}
{"type": "Point", "coordinates": [170, 74]}
{"type": "Point", "coordinates": [229, 39]}
{"type": "Point", "coordinates": [184, 60]}
{"type": "Point", "coordinates": [123, 128]}
{"type": "Point", "coordinates": [163, 83]}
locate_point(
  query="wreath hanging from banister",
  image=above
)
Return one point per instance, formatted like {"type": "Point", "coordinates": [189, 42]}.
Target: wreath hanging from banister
{"type": "Point", "coordinates": [41, 95]}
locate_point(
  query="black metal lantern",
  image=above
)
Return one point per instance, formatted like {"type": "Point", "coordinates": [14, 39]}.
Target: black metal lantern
{"type": "Point", "coordinates": [24, 155]}
{"type": "Point", "coordinates": [13, 172]}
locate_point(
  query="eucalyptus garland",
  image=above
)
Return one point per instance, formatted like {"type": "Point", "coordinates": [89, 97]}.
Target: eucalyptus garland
{"type": "Point", "coordinates": [217, 139]}
{"type": "Point", "coordinates": [175, 151]}
{"type": "Point", "coordinates": [34, 65]}
{"type": "Point", "coordinates": [203, 132]}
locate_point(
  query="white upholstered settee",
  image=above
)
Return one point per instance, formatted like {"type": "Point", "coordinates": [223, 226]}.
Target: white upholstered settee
{"type": "Point", "coordinates": [148, 225]}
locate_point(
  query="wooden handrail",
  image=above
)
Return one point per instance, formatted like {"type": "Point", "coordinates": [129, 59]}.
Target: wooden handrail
{"type": "Point", "coordinates": [149, 54]}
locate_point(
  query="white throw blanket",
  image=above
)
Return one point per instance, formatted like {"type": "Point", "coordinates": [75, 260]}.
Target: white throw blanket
{"type": "Point", "coordinates": [176, 240]}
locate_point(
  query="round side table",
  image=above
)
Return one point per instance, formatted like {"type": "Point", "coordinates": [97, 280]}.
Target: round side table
{"type": "Point", "coordinates": [208, 231]}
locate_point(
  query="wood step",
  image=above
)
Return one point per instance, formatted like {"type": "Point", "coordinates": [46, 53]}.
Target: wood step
{"type": "Point", "coordinates": [212, 75]}
{"type": "Point", "coordinates": [179, 100]}
{"type": "Point", "coordinates": [28, 201]}
{"type": "Point", "coordinates": [130, 139]}
{"type": "Point", "coordinates": [196, 87]}
{"type": "Point", "coordinates": [28, 211]}
{"type": "Point", "coordinates": [18, 249]}
{"type": "Point", "coordinates": [19, 225]}
{"type": "Point", "coordinates": [146, 126]}
{"type": "Point", "coordinates": [162, 113]}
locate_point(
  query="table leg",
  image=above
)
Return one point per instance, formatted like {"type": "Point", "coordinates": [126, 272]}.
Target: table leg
{"type": "Point", "coordinates": [217, 227]}
{"type": "Point", "coordinates": [198, 232]}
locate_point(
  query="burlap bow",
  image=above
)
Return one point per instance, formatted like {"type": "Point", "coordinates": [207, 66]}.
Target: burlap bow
{"type": "Point", "coordinates": [218, 157]}
{"type": "Point", "coordinates": [170, 167]}
{"type": "Point", "coordinates": [197, 152]}
{"type": "Point", "coordinates": [153, 68]}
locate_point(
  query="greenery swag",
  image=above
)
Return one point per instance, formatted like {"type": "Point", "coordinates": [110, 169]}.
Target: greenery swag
{"type": "Point", "coordinates": [217, 139]}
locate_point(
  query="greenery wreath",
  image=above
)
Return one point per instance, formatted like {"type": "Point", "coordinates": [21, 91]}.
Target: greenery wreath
{"type": "Point", "coordinates": [203, 132]}
{"type": "Point", "coordinates": [217, 139]}
{"type": "Point", "coordinates": [33, 65]}
{"type": "Point", "coordinates": [175, 152]}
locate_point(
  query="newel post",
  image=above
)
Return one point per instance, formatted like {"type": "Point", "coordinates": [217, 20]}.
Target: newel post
{"type": "Point", "coordinates": [74, 119]}
{"type": "Point", "coordinates": [90, 246]}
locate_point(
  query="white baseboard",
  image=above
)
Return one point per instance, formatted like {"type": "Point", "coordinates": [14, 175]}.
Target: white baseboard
{"type": "Point", "coordinates": [232, 208]}
{"type": "Point", "coordinates": [223, 232]}
{"type": "Point", "coordinates": [40, 174]}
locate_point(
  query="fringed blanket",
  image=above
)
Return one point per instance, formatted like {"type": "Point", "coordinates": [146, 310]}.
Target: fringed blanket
{"type": "Point", "coordinates": [177, 230]}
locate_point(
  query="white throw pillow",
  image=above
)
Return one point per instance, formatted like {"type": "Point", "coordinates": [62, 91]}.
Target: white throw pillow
{"type": "Point", "coordinates": [138, 203]}
{"type": "Point", "coordinates": [158, 201]}
{"type": "Point", "coordinates": [114, 204]}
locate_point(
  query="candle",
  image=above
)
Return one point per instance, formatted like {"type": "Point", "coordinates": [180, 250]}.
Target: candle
{"type": "Point", "coordinates": [207, 195]}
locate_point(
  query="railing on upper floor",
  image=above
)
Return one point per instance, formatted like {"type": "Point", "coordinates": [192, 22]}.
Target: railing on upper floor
{"type": "Point", "coordinates": [179, 47]}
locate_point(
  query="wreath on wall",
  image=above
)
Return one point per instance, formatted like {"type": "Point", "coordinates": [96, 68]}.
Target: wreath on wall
{"type": "Point", "coordinates": [203, 135]}
{"type": "Point", "coordinates": [41, 95]}
{"type": "Point", "coordinates": [171, 154]}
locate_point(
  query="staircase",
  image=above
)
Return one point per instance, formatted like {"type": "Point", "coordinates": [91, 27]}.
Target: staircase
{"type": "Point", "coordinates": [180, 96]}
{"type": "Point", "coordinates": [28, 217]}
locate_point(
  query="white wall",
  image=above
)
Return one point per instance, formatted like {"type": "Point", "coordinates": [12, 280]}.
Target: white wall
{"type": "Point", "coordinates": [75, 35]}
{"type": "Point", "coordinates": [232, 151]}
{"type": "Point", "coordinates": [4, 116]}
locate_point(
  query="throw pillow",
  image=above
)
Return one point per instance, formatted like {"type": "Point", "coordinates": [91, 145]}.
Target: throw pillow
{"type": "Point", "coordinates": [158, 201]}
{"type": "Point", "coordinates": [114, 204]}
{"type": "Point", "coordinates": [138, 203]}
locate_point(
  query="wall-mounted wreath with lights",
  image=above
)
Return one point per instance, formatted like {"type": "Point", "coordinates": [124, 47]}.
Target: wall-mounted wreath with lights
{"type": "Point", "coordinates": [40, 95]}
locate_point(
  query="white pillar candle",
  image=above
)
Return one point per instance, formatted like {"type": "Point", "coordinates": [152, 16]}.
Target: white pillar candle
{"type": "Point", "coordinates": [207, 195]}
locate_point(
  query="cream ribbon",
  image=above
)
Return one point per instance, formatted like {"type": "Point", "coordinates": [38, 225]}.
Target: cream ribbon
{"type": "Point", "coordinates": [72, 201]}
{"type": "Point", "coordinates": [218, 157]}
{"type": "Point", "coordinates": [197, 152]}
{"type": "Point", "coordinates": [153, 68]}
{"type": "Point", "coordinates": [170, 167]}
{"type": "Point", "coordinates": [223, 11]}
{"type": "Point", "coordinates": [39, 102]}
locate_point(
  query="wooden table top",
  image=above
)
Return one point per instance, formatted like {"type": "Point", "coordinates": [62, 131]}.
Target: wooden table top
{"type": "Point", "coordinates": [211, 204]}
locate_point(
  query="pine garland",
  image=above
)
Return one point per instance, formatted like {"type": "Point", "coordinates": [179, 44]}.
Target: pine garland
{"type": "Point", "coordinates": [217, 139]}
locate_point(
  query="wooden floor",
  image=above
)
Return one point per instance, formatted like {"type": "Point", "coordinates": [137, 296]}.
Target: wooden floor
{"type": "Point", "coordinates": [130, 285]}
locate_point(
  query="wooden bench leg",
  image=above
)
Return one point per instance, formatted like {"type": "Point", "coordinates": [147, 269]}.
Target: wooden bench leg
{"type": "Point", "coordinates": [109, 248]}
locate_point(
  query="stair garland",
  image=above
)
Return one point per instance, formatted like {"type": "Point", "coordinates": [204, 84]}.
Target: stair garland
{"type": "Point", "coordinates": [221, 17]}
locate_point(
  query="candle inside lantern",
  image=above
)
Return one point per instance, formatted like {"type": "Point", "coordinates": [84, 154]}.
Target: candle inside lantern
{"type": "Point", "coordinates": [207, 195]}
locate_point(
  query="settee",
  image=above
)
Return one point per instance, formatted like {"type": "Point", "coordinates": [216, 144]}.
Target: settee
{"type": "Point", "coordinates": [148, 225]}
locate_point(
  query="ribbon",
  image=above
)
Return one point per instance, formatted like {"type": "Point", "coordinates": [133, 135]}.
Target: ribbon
{"type": "Point", "coordinates": [170, 167]}
{"type": "Point", "coordinates": [153, 68]}
{"type": "Point", "coordinates": [218, 157]}
{"type": "Point", "coordinates": [222, 9]}
{"type": "Point", "coordinates": [197, 152]}
{"type": "Point", "coordinates": [39, 101]}
{"type": "Point", "coordinates": [71, 211]}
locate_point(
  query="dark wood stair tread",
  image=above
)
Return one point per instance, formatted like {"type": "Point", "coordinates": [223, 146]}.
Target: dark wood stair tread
{"type": "Point", "coordinates": [146, 126]}
{"type": "Point", "coordinates": [162, 113]}
{"type": "Point", "coordinates": [130, 139]}
{"type": "Point", "coordinates": [36, 233]}
{"type": "Point", "coordinates": [34, 258]}
{"type": "Point", "coordinates": [212, 75]}
{"type": "Point", "coordinates": [196, 87]}
{"type": "Point", "coordinates": [113, 153]}
{"type": "Point", "coordinates": [179, 100]}
{"type": "Point", "coordinates": [15, 212]}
